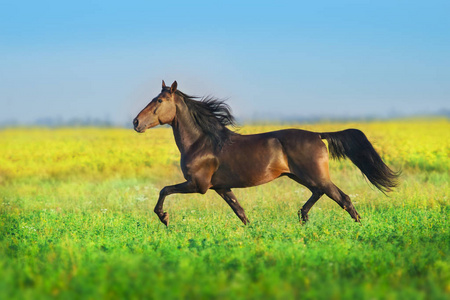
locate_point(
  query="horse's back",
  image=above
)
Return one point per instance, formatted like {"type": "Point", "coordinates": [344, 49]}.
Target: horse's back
{"type": "Point", "coordinates": [300, 142]}
{"type": "Point", "coordinates": [295, 142]}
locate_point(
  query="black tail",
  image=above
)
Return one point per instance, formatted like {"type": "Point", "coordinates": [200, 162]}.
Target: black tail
{"type": "Point", "coordinates": [353, 143]}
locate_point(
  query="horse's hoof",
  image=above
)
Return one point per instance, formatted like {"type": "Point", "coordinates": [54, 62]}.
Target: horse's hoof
{"type": "Point", "coordinates": [303, 217]}
{"type": "Point", "coordinates": [164, 217]}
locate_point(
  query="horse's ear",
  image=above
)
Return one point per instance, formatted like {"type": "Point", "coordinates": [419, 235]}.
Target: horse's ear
{"type": "Point", "coordinates": [173, 88]}
{"type": "Point", "coordinates": [163, 84]}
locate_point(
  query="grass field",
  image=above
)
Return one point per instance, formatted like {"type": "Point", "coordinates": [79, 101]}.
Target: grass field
{"type": "Point", "coordinates": [77, 221]}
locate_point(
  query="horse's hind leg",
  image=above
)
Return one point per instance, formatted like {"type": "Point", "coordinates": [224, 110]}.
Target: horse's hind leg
{"type": "Point", "coordinates": [342, 199]}
{"type": "Point", "coordinates": [325, 187]}
{"type": "Point", "coordinates": [231, 199]}
{"type": "Point", "coordinates": [303, 212]}
{"type": "Point", "coordinates": [316, 194]}
{"type": "Point", "coordinates": [308, 164]}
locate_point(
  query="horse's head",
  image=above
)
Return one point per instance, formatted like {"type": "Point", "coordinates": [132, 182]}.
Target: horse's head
{"type": "Point", "coordinates": [161, 110]}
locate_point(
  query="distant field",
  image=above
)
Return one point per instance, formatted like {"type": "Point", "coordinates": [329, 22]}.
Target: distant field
{"type": "Point", "coordinates": [77, 221]}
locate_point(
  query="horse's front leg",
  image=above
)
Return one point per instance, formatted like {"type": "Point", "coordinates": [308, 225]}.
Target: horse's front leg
{"type": "Point", "coordinates": [181, 188]}
{"type": "Point", "coordinates": [231, 199]}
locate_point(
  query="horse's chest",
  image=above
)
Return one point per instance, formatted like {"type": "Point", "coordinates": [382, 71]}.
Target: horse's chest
{"type": "Point", "coordinates": [184, 166]}
{"type": "Point", "coordinates": [200, 165]}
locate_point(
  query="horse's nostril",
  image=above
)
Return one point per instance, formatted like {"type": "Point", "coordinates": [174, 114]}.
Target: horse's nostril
{"type": "Point", "coordinates": [135, 122]}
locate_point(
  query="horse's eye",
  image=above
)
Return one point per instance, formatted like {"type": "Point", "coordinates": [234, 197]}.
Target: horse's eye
{"type": "Point", "coordinates": [159, 100]}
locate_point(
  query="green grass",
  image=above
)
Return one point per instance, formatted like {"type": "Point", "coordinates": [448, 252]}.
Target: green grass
{"type": "Point", "coordinates": [68, 234]}
{"type": "Point", "coordinates": [101, 240]}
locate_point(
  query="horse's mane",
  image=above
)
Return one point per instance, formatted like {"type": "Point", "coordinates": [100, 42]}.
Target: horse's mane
{"type": "Point", "coordinates": [212, 116]}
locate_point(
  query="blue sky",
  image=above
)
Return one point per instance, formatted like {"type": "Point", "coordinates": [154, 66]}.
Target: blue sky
{"type": "Point", "coordinates": [271, 59]}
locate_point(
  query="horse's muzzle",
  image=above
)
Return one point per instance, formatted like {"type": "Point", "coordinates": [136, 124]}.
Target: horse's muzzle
{"type": "Point", "coordinates": [136, 126]}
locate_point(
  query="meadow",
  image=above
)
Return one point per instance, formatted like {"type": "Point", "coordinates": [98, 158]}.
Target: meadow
{"type": "Point", "coordinates": [77, 221]}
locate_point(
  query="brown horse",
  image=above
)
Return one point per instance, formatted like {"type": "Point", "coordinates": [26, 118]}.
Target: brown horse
{"type": "Point", "coordinates": [214, 157]}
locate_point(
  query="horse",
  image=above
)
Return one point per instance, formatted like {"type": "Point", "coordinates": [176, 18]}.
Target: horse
{"type": "Point", "coordinates": [217, 158]}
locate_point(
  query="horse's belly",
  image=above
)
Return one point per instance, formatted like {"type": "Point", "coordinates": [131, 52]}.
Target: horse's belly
{"type": "Point", "coordinates": [250, 167]}
{"type": "Point", "coordinates": [241, 180]}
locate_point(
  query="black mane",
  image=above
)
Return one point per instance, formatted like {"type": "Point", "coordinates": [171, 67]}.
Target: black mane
{"type": "Point", "coordinates": [212, 116]}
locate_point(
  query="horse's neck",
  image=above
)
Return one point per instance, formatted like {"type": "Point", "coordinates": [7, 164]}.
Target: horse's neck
{"type": "Point", "coordinates": [185, 131]}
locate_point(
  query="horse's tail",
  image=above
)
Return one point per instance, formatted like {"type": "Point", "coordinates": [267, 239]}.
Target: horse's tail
{"type": "Point", "coordinates": [353, 143]}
